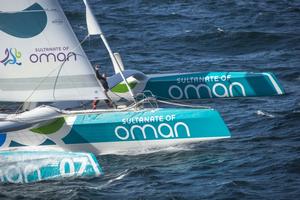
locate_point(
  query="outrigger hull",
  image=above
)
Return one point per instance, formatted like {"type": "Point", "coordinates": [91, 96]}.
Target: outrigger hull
{"type": "Point", "coordinates": [32, 166]}
{"type": "Point", "coordinates": [201, 85]}
{"type": "Point", "coordinates": [120, 132]}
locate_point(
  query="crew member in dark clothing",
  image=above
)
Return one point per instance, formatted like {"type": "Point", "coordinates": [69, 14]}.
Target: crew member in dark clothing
{"type": "Point", "coordinates": [103, 81]}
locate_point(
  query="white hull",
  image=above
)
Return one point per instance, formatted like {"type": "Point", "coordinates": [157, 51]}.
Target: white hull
{"type": "Point", "coordinates": [128, 147]}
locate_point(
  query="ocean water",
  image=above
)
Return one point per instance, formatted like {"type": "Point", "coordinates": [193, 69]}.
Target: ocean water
{"type": "Point", "coordinates": [260, 161]}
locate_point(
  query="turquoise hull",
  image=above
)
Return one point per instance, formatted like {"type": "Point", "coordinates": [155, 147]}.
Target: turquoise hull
{"type": "Point", "coordinates": [127, 131]}
{"type": "Point", "coordinates": [33, 166]}
{"type": "Point", "coordinates": [160, 124]}
{"type": "Point", "coordinates": [123, 131]}
{"type": "Point", "coordinates": [213, 85]}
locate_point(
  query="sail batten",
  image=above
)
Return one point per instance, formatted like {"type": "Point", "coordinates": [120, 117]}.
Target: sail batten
{"type": "Point", "coordinates": [41, 59]}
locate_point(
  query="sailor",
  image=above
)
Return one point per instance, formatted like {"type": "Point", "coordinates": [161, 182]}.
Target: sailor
{"type": "Point", "coordinates": [103, 80]}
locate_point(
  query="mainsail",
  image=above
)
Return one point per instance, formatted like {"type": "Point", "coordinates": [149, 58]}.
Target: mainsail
{"type": "Point", "coordinates": [40, 57]}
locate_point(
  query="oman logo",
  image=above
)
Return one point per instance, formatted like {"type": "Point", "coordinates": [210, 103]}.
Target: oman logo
{"type": "Point", "coordinates": [12, 56]}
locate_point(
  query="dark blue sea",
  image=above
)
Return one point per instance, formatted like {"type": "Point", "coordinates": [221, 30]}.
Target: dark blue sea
{"type": "Point", "coordinates": [260, 161]}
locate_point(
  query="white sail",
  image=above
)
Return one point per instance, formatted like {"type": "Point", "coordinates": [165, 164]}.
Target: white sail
{"type": "Point", "coordinates": [40, 57]}
{"type": "Point", "coordinates": [92, 24]}
{"type": "Point", "coordinates": [94, 29]}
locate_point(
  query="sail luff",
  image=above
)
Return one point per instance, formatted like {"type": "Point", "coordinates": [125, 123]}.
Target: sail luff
{"type": "Point", "coordinates": [92, 25]}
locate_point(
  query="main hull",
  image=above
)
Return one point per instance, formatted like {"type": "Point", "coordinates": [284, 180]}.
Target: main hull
{"type": "Point", "coordinates": [122, 132]}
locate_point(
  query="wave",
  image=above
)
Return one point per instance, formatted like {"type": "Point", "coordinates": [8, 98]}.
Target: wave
{"type": "Point", "coordinates": [262, 113]}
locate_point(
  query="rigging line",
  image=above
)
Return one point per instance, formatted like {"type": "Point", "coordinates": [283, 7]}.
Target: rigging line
{"type": "Point", "coordinates": [88, 37]}
{"type": "Point", "coordinates": [61, 66]}
{"type": "Point", "coordinates": [183, 105]}
{"type": "Point", "coordinates": [152, 101]}
{"type": "Point", "coordinates": [115, 93]}
{"type": "Point", "coordinates": [171, 101]}
{"type": "Point", "coordinates": [114, 60]}
{"type": "Point", "coordinates": [130, 107]}
{"type": "Point", "coordinates": [44, 79]}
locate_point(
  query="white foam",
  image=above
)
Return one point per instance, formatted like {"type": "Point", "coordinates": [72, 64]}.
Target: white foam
{"type": "Point", "coordinates": [260, 112]}
{"type": "Point", "coordinates": [220, 30]}
{"type": "Point", "coordinates": [120, 176]}
{"type": "Point", "coordinates": [150, 150]}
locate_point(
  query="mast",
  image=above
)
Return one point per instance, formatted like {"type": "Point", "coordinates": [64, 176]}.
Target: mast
{"type": "Point", "coordinates": [94, 29]}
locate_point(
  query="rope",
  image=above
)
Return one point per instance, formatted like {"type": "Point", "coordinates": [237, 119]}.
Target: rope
{"type": "Point", "coordinates": [183, 105]}
{"type": "Point", "coordinates": [133, 106]}
{"type": "Point", "coordinates": [170, 101]}
{"type": "Point", "coordinates": [61, 66]}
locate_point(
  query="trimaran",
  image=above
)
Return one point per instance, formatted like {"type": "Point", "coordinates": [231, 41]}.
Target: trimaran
{"type": "Point", "coordinates": [42, 61]}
